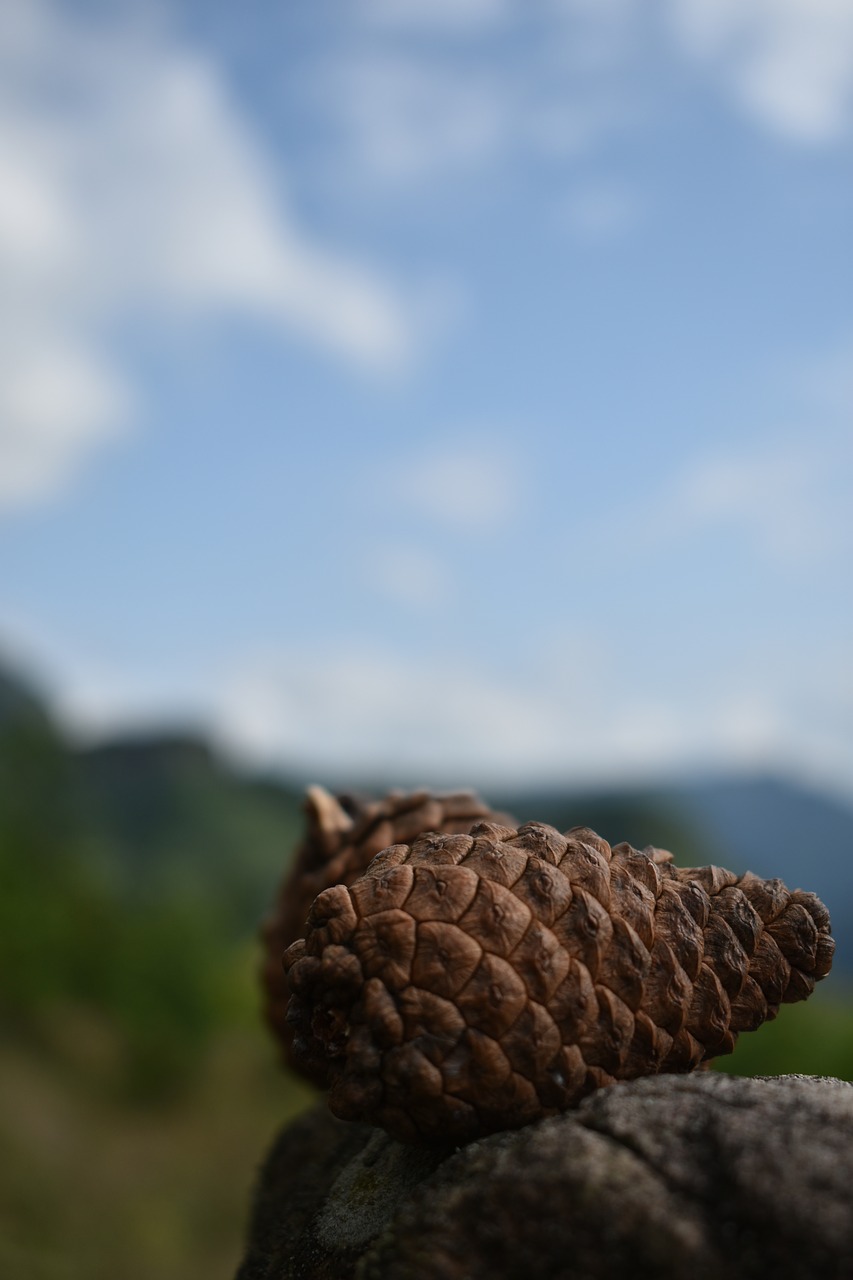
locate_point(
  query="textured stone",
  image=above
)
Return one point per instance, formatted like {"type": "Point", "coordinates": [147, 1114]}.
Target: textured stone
{"type": "Point", "coordinates": [665, 1178]}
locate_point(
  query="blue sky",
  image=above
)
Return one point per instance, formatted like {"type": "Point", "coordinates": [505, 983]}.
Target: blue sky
{"type": "Point", "coordinates": [455, 390]}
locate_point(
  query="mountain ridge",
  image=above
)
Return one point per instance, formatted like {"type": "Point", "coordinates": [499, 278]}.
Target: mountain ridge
{"type": "Point", "coordinates": [170, 810]}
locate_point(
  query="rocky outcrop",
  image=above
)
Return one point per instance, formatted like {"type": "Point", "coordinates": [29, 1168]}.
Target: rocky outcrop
{"type": "Point", "coordinates": [664, 1177]}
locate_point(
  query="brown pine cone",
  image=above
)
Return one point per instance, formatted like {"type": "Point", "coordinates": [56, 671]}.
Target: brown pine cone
{"type": "Point", "coordinates": [344, 835]}
{"type": "Point", "coordinates": [471, 983]}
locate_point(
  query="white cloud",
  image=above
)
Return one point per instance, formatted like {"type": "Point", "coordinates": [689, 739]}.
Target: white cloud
{"type": "Point", "coordinates": [474, 487]}
{"type": "Point", "coordinates": [600, 210]}
{"type": "Point", "coordinates": [827, 387]}
{"type": "Point", "coordinates": [131, 185]}
{"type": "Point", "coordinates": [789, 62]}
{"type": "Point", "coordinates": [409, 575]}
{"type": "Point", "coordinates": [577, 716]}
{"type": "Point", "coordinates": [775, 498]}
{"type": "Point", "coordinates": [405, 116]}
{"type": "Point", "coordinates": [57, 403]}
{"type": "Point", "coordinates": [407, 111]}
{"type": "Point", "coordinates": [780, 501]}
{"type": "Point", "coordinates": [368, 714]}
{"type": "Point", "coordinates": [368, 711]}
{"type": "Point", "coordinates": [785, 495]}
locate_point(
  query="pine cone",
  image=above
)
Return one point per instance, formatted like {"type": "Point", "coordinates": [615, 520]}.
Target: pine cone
{"type": "Point", "coordinates": [344, 835]}
{"type": "Point", "coordinates": [471, 983]}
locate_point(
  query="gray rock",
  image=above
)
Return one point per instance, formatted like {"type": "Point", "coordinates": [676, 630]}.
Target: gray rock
{"type": "Point", "coordinates": [667, 1177]}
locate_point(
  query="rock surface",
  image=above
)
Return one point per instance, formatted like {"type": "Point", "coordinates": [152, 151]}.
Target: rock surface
{"type": "Point", "coordinates": [665, 1177]}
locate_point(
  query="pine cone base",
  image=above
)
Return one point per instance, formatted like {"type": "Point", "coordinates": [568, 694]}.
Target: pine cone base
{"type": "Point", "coordinates": [344, 834]}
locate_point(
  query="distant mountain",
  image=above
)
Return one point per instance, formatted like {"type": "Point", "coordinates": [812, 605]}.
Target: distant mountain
{"type": "Point", "coordinates": [168, 815]}
{"type": "Point", "coordinates": [154, 816]}
{"type": "Point", "coordinates": [36, 786]}
{"type": "Point", "coordinates": [640, 817]}
{"type": "Point", "coordinates": [19, 704]}
{"type": "Point", "coordinates": [178, 816]}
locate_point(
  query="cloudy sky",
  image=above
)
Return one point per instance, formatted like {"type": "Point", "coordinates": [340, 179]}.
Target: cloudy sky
{"type": "Point", "coordinates": [457, 389]}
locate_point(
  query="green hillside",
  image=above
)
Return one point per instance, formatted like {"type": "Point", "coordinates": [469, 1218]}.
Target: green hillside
{"type": "Point", "coordinates": [137, 1085]}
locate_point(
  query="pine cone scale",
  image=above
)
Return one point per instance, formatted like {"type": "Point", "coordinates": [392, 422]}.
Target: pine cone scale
{"type": "Point", "coordinates": [724, 955]}
{"type": "Point", "coordinates": [493, 997]}
{"type": "Point", "coordinates": [446, 958]}
{"type": "Point", "coordinates": [496, 916]}
{"type": "Point", "coordinates": [441, 894]}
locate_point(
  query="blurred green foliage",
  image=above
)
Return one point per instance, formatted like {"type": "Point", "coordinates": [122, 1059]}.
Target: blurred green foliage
{"type": "Point", "coordinates": [137, 1087]}
{"type": "Point", "coordinates": [130, 881]}
{"type": "Point", "coordinates": [813, 1038]}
